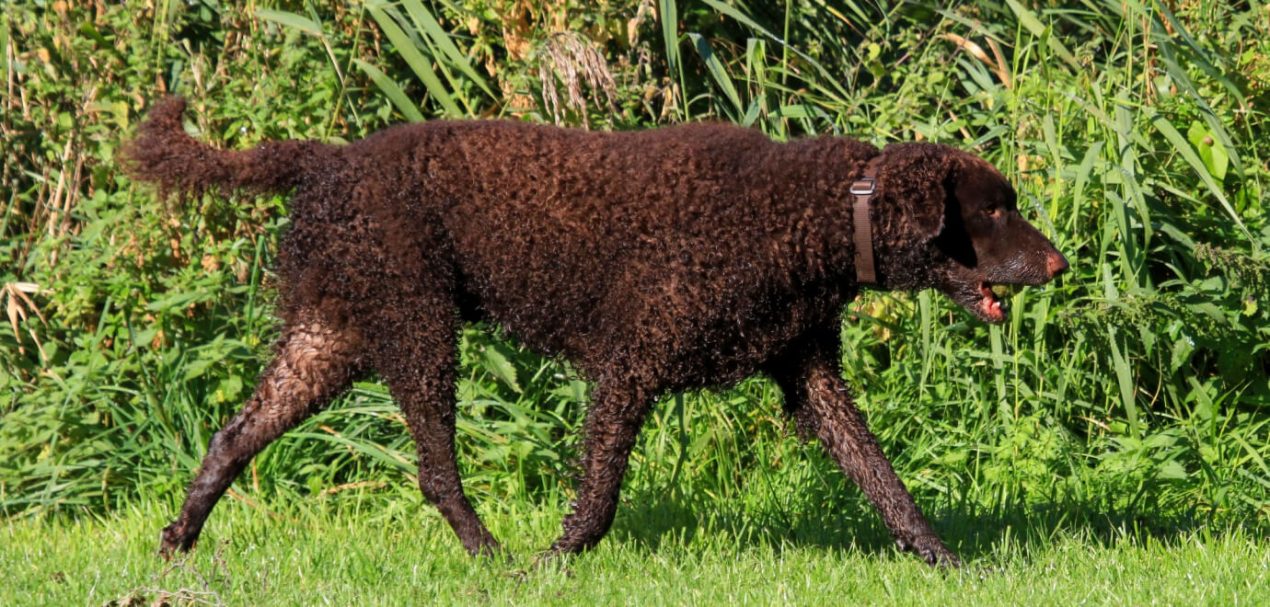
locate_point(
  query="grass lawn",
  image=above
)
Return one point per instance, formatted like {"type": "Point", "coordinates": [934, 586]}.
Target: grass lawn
{"type": "Point", "coordinates": [393, 551]}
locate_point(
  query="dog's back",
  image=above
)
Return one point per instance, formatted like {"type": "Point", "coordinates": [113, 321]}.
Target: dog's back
{"type": "Point", "coordinates": [573, 240]}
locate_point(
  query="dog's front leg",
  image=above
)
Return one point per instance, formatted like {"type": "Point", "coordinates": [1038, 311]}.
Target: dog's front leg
{"type": "Point", "coordinates": [819, 400]}
{"type": "Point", "coordinates": [612, 425]}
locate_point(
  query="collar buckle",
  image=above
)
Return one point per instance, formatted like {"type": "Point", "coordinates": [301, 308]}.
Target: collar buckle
{"type": "Point", "coordinates": [865, 186]}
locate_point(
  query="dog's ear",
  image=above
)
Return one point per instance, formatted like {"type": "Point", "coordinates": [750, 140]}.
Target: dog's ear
{"type": "Point", "coordinates": [919, 180]}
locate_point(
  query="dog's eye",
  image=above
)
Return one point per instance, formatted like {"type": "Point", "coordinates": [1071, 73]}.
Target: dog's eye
{"type": "Point", "coordinates": [994, 212]}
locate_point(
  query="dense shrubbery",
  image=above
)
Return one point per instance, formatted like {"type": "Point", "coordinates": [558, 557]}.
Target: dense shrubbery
{"type": "Point", "coordinates": [1137, 138]}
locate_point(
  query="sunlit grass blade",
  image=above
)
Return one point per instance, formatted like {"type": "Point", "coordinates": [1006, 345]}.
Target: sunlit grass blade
{"type": "Point", "coordinates": [291, 20]}
{"type": "Point", "coordinates": [826, 80]}
{"type": "Point", "coordinates": [1029, 20]}
{"type": "Point", "coordinates": [420, 65]}
{"type": "Point", "coordinates": [719, 73]}
{"type": "Point", "coordinates": [424, 20]}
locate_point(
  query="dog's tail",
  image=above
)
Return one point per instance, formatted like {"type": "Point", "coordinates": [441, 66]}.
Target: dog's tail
{"type": "Point", "coordinates": [164, 155]}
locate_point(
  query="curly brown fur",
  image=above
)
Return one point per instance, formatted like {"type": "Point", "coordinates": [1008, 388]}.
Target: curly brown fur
{"type": "Point", "coordinates": [656, 261]}
{"type": "Point", "coordinates": [163, 154]}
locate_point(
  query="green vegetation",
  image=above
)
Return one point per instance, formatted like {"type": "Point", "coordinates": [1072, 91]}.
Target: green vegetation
{"type": "Point", "coordinates": [391, 553]}
{"type": "Point", "coordinates": [1120, 421]}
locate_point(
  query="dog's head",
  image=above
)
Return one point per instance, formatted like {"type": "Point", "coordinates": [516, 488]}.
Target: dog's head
{"type": "Point", "coordinates": [949, 220]}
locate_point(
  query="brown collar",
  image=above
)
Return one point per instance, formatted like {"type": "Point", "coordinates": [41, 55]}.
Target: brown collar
{"type": "Point", "coordinates": [862, 191]}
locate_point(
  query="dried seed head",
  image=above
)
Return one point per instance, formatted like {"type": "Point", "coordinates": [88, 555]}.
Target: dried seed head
{"type": "Point", "coordinates": [569, 59]}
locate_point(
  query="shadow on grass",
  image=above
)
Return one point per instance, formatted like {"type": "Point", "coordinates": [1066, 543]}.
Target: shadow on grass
{"type": "Point", "coordinates": [842, 521]}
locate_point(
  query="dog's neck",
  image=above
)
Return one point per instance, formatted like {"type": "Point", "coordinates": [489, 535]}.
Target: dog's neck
{"type": "Point", "coordinates": [900, 263]}
{"type": "Point", "coordinates": [901, 254]}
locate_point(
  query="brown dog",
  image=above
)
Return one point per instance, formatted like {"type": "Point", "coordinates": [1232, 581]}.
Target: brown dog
{"type": "Point", "coordinates": [656, 261]}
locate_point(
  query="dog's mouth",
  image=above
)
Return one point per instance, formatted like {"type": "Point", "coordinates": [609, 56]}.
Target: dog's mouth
{"type": "Point", "coordinates": [993, 305]}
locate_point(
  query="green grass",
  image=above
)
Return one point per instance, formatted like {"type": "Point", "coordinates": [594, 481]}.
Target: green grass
{"type": "Point", "coordinates": [373, 551]}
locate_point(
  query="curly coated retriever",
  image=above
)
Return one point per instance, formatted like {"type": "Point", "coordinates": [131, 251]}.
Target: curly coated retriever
{"type": "Point", "coordinates": [656, 261]}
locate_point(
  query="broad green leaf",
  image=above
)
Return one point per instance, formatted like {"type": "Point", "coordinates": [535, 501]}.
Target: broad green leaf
{"type": "Point", "coordinates": [1170, 470]}
{"type": "Point", "coordinates": [1210, 150]}
{"type": "Point", "coordinates": [500, 366]}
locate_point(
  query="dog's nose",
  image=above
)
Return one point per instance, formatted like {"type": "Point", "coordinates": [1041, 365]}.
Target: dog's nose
{"type": "Point", "coordinates": [1055, 263]}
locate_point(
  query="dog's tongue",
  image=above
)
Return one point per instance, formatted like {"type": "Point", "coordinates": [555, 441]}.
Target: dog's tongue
{"type": "Point", "coordinates": [992, 306]}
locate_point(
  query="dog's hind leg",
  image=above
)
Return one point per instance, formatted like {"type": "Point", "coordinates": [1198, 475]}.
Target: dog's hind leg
{"type": "Point", "coordinates": [818, 398]}
{"type": "Point", "coordinates": [613, 421]}
{"type": "Point", "coordinates": [418, 363]}
{"type": "Point", "coordinates": [314, 362]}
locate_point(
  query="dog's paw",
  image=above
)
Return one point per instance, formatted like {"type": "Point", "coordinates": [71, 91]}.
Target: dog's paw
{"type": "Point", "coordinates": [932, 551]}
{"type": "Point", "coordinates": [486, 547]}
{"type": "Point", "coordinates": [174, 542]}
